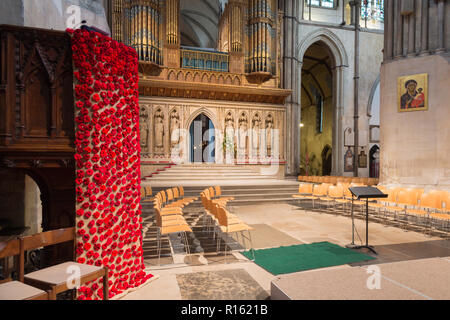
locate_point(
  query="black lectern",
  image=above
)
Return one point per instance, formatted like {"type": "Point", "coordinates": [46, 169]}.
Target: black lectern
{"type": "Point", "coordinates": [364, 193]}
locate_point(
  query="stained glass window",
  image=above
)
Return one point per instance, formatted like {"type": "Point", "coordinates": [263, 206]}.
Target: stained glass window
{"type": "Point", "coordinates": [372, 10]}
{"type": "Point", "coordinates": [322, 3]}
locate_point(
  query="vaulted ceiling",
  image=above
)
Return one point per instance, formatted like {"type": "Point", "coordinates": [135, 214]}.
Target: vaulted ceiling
{"type": "Point", "coordinates": [199, 22]}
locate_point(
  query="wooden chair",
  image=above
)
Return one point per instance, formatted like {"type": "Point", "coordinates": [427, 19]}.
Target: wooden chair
{"type": "Point", "coordinates": [421, 214]}
{"type": "Point", "coordinates": [148, 191]}
{"type": "Point", "coordinates": [229, 226]}
{"type": "Point", "coordinates": [166, 210]}
{"type": "Point", "coordinates": [305, 191]}
{"type": "Point", "coordinates": [406, 199]}
{"type": "Point", "coordinates": [185, 200]}
{"type": "Point", "coordinates": [335, 195]}
{"type": "Point", "coordinates": [218, 191]}
{"type": "Point", "coordinates": [181, 190]}
{"type": "Point", "coordinates": [8, 249]}
{"type": "Point", "coordinates": [164, 229]}
{"type": "Point", "coordinates": [172, 202]}
{"type": "Point", "coordinates": [16, 290]}
{"type": "Point", "coordinates": [54, 278]}
{"type": "Point", "coordinates": [146, 194]}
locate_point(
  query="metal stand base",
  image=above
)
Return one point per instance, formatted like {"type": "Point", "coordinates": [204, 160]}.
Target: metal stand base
{"type": "Point", "coordinates": [354, 246]}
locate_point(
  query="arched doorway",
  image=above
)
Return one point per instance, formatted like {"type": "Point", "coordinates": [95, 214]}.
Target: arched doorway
{"type": "Point", "coordinates": [374, 155]}
{"type": "Point", "coordinates": [326, 160]}
{"type": "Point", "coordinates": [202, 140]}
{"type": "Point", "coordinates": [317, 109]}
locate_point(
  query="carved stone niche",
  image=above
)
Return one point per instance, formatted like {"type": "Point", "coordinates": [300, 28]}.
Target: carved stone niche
{"type": "Point", "coordinates": [159, 131]}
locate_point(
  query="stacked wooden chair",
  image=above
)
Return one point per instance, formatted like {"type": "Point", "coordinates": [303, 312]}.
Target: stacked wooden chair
{"type": "Point", "coordinates": [221, 220]}
{"type": "Point", "coordinates": [168, 206]}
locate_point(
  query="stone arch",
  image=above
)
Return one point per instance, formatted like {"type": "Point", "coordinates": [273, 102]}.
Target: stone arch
{"type": "Point", "coordinates": [339, 60]}
{"type": "Point", "coordinates": [197, 77]}
{"type": "Point", "coordinates": [207, 113]}
{"type": "Point", "coordinates": [172, 75]}
{"type": "Point", "coordinates": [189, 77]}
{"type": "Point", "coordinates": [372, 95]}
{"type": "Point", "coordinates": [180, 76]}
{"type": "Point", "coordinates": [330, 39]}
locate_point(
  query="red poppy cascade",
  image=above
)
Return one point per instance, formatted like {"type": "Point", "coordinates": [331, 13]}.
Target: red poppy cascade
{"type": "Point", "coordinates": [108, 211]}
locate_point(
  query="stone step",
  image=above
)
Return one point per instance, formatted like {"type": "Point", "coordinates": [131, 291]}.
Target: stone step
{"type": "Point", "coordinates": [200, 178]}
{"type": "Point", "coordinates": [208, 168]}
{"type": "Point", "coordinates": [236, 192]}
{"type": "Point", "coordinates": [206, 174]}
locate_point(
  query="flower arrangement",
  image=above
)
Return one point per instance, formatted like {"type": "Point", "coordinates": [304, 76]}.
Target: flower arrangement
{"type": "Point", "coordinates": [108, 212]}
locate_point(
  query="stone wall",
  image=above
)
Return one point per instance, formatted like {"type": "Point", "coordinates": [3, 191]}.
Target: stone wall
{"type": "Point", "coordinates": [415, 145]}
{"type": "Point", "coordinates": [11, 12]}
{"type": "Point", "coordinates": [159, 145]}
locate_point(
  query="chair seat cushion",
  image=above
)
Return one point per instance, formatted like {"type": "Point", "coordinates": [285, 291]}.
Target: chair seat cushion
{"type": "Point", "coordinates": [15, 290]}
{"type": "Point", "coordinates": [58, 275]}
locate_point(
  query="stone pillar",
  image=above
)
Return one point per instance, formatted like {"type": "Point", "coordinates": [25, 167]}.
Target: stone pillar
{"type": "Point", "coordinates": [424, 49]}
{"type": "Point", "coordinates": [441, 26]}
{"type": "Point", "coordinates": [290, 80]}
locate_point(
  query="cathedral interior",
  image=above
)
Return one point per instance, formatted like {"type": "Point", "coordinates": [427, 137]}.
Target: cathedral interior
{"type": "Point", "coordinates": [224, 111]}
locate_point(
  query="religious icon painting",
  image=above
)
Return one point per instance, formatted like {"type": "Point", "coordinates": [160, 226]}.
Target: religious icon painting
{"type": "Point", "coordinates": [413, 93]}
{"type": "Point", "coordinates": [348, 161]}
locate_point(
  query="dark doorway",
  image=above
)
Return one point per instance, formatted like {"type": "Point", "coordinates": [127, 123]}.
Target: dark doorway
{"type": "Point", "coordinates": [326, 160]}
{"type": "Point", "coordinates": [374, 162]}
{"type": "Point", "coordinates": [202, 140]}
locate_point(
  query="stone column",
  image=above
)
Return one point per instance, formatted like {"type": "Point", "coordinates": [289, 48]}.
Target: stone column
{"type": "Point", "coordinates": [424, 49]}
{"type": "Point", "coordinates": [441, 26]}
{"type": "Point", "coordinates": [291, 74]}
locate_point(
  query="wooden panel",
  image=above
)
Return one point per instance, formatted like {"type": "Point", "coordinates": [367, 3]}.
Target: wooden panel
{"type": "Point", "coordinates": [48, 238]}
{"type": "Point", "coordinates": [36, 98]}
{"type": "Point", "coordinates": [37, 104]}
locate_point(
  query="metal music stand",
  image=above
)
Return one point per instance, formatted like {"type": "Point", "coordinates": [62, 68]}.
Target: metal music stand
{"type": "Point", "coordinates": [364, 193]}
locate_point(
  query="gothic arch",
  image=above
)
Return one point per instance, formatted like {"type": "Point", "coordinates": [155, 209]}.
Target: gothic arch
{"type": "Point", "coordinates": [339, 60]}
{"type": "Point", "coordinates": [207, 113]}
{"type": "Point", "coordinates": [372, 96]}
{"type": "Point", "coordinates": [330, 39]}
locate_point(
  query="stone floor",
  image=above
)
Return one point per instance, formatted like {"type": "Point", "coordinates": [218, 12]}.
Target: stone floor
{"type": "Point", "coordinates": [275, 225]}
